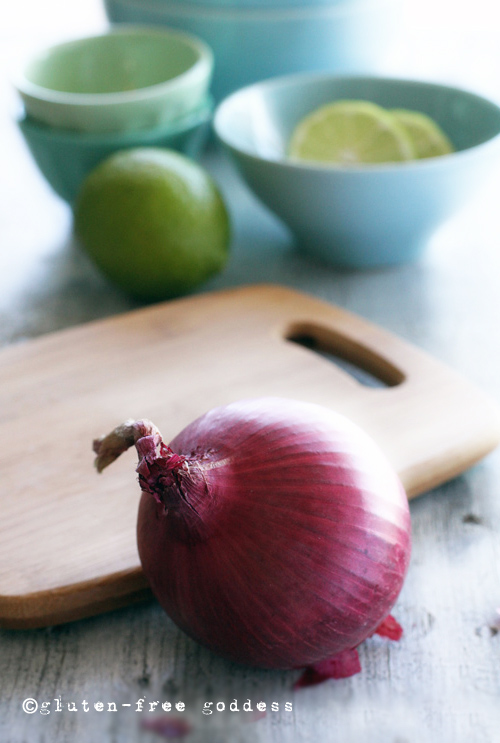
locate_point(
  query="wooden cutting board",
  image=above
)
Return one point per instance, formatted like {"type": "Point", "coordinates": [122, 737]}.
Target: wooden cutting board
{"type": "Point", "coordinates": [67, 534]}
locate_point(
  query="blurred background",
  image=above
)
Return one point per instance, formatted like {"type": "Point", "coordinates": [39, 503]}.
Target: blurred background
{"type": "Point", "coordinates": [435, 40]}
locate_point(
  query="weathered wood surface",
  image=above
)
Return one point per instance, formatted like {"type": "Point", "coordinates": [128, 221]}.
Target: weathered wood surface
{"type": "Point", "coordinates": [172, 362]}
{"type": "Point", "coordinates": [441, 683]}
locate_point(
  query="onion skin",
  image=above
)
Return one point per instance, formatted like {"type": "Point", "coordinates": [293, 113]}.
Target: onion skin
{"type": "Point", "coordinates": [272, 531]}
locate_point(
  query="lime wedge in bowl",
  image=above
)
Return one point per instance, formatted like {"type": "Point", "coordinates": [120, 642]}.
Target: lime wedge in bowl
{"type": "Point", "coordinates": [428, 138]}
{"type": "Point", "coordinates": [351, 133]}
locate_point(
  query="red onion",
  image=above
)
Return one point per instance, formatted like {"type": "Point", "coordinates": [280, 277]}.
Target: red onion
{"type": "Point", "coordinates": [275, 532]}
{"type": "Point", "coordinates": [167, 727]}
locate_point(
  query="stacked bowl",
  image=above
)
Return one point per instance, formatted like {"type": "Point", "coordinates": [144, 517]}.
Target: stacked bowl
{"type": "Point", "coordinates": [129, 87]}
{"type": "Point", "coordinates": [257, 39]}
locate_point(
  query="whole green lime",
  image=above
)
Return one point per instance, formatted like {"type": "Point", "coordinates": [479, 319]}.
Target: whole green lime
{"type": "Point", "coordinates": [154, 222]}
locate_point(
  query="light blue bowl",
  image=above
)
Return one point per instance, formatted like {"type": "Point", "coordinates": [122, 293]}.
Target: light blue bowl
{"type": "Point", "coordinates": [359, 216]}
{"type": "Point", "coordinates": [65, 157]}
{"type": "Point", "coordinates": [254, 43]}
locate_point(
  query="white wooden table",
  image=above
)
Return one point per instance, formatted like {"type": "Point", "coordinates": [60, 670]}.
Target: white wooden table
{"type": "Point", "coordinates": [442, 681]}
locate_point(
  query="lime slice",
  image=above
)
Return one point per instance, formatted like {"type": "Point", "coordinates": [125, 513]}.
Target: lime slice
{"type": "Point", "coordinates": [351, 133]}
{"type": "Point", "coordinates": [428, 138]}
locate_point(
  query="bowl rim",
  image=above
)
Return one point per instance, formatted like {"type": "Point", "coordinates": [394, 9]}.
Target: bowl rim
{"type": "Point", "coordinates": [310, 166]}
{"type": "Point", "coordinates": [200, 69]}
{"type": "Point", "coordinates": [200, 115]}
{"type": "Point", "coordinates": [246, 4]}
{"type": "Point", "coordinates": [177, 8]}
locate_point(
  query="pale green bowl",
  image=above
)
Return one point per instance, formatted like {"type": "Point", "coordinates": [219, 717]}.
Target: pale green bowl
{"type": "Point", "coordinates": [65, 157]}
{"type": "Point", "coordinates": [132, 77]}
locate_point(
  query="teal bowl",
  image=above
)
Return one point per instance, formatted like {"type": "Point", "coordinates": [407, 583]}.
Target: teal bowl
{"type": "Point", "coordinates": [65, 157]}
{"type": "Point", "coordinates": [359, 216]}
{"type": "Point", "coordinates": [254, 41]}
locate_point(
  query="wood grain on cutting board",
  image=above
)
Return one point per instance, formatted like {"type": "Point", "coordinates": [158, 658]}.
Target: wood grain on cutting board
{"type": "Point", "coordinates": [67, 535]}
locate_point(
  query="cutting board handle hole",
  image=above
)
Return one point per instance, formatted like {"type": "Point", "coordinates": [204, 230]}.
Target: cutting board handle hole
{"type": "Point", "coordinates": [363, 364]}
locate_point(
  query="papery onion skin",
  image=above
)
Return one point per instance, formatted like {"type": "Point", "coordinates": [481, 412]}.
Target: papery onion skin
{"type": "Point", "coordinates": [278, 537]}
